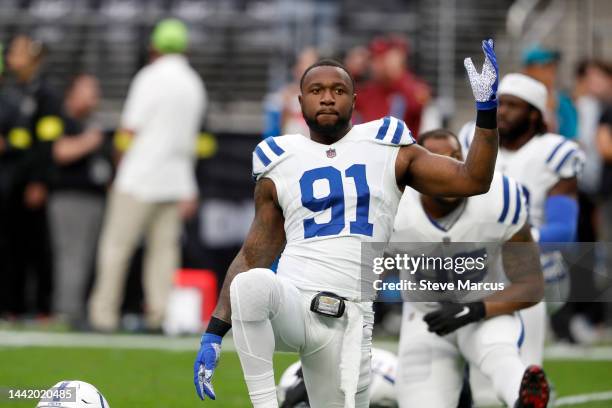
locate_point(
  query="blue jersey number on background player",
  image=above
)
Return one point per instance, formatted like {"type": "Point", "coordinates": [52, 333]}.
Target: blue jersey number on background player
{"type": "Point", "coordinates": [335, 201]}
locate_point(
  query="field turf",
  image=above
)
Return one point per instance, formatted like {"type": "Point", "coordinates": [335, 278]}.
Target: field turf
{"type": "Point", "coordinates": [163, 379]}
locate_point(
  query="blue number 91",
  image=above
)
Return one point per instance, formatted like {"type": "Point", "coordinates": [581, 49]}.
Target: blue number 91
{"type": "Point", "coordinates": [335, 200]}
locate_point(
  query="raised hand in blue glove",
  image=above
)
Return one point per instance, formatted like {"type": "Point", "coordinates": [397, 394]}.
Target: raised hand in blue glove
{"type": "Point", "coordinates": [484, 85]}
{"type": "Point", "coordinates": [205, 364]}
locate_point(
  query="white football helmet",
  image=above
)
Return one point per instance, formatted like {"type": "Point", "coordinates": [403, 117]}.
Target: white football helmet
{"type": "Point", "coordinates": [291, 390]}
{"type": "Point", "coordinates": [85, 396]}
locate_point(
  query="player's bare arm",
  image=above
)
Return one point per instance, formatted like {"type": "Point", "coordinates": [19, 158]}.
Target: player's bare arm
{"type": "Point", "coordinates": [262, 245]}
{"type": "Point", "coordinates": [442, 176]}
{"type": "Point", "coordinates": [567, 187]}
{"type": "Point", "coordinates": [521, 259]}
{"type": "Point", "coordinates": [437, 175]}
{"type": "Point", "coordinates": [264, 242]}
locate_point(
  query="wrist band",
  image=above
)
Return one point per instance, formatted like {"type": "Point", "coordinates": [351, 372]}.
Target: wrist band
{"type": "Point", "coordinates": [218, 327]}
{"type": "Point", "coordinates": [486, 119]}
{"type": "Point", "coordinates": [479, 310]}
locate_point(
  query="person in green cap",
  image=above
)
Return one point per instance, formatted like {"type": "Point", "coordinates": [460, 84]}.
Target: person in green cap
{"type": "Point", "coordinates": [155, 184]}
{"type": "Point", "coordinates": [170, 36]}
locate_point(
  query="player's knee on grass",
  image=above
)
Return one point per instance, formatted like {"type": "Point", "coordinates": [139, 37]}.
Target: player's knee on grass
{"type": "Point", "coordinates": [254, 295]}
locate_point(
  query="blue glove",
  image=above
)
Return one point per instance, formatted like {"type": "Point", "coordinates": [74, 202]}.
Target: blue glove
{"type": "Point", "coordinates": [484, 85]}
{"type": "Point", "coordinates": [205, 364]}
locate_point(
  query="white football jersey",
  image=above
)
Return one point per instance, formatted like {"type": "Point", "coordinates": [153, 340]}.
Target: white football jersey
{"type": "Point", "coordinates": [493, 217]}
{"type": "Point", "coordinates": [538, 166]}
{"type": "Point", "coordinates": [333, 198]}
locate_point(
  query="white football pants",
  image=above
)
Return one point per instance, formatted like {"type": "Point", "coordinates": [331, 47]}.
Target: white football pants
{"type": "Point", "coordinates": [431, 368]}
{"type": "Point", "coordinates": [531, 351]}
{"type": "Point", "coordinates": [269, 313]}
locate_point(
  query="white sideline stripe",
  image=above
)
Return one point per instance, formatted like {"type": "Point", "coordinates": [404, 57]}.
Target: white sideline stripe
{"type": "Point", "coordinates": [141, 342]}
{"type": "Point", "coordinates": [566, 352]}
{"type": "Point", "coordinates": [583, 398]}
{"type": "Point", "coordinates": [551, 352]}
{"type": "Point", "coordinates": [151, 342]}
{"type": "Point", "coordinates": [125, 341]}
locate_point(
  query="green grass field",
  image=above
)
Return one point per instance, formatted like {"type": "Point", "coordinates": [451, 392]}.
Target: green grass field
{"type": "Point", "coordinates": [163, 379]}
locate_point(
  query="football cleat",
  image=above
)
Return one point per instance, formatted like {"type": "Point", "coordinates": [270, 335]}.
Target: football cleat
{"type": "Point", "coordinates": [534, 391]}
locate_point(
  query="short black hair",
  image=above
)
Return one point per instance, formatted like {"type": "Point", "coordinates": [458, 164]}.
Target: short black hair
{"type": "Point", "coordinates": [583, 65]}
{"type": "Point", "coordinates": [581, 68]}
{"type": "Point", "coordinates": [327, 62]}
{"type": "Point", "coordinates": [437, 134]}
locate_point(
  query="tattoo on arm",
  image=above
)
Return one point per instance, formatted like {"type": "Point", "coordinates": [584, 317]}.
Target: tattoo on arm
{"type": "Point", "coordinates": [263, 244]}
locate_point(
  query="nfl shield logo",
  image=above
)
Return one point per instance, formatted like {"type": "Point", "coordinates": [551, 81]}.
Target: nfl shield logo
{"type": "Point", "coordinates": [331, 153]}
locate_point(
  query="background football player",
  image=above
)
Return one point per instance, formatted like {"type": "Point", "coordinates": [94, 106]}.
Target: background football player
{"type": "Point", "coordinates": [547, 166]}
{"type": "Point", "coordinates": [484, 327]}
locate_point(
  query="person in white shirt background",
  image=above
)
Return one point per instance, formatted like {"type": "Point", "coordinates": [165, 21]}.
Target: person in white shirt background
{"type": "Point", "coordinates": [155, 183]}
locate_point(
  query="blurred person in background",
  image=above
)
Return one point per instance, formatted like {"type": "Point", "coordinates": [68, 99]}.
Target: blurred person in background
{"type": "Point", "coordinates": [579, 321]}
{"type": "Point", "coordinates": [593, 89]}
{"type": "Point", "coordinates": [8, 112]}
{"type": "Point", "coordinates": [357, 62]}
{"type": "Point", "coordinates": [36, 124]}
{"type": "Point", "coordinates": [283, 114]}
{"type": "Point", "coordinates": [542, 64]}
{"type": "Point", "coordinates": [393, 89]}
{"type": "Point", "coordinates": [604, 145]}
{"type": "Point", "coordinates": [79, 181]}
{"type": "Point", "coordinates": [155, 183]}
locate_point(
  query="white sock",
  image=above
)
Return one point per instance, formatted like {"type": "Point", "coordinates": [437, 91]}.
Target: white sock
{"type": "Point", "coordinates": [256, 360]}
{"type": "Point", "coordinates": [505, 369]}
